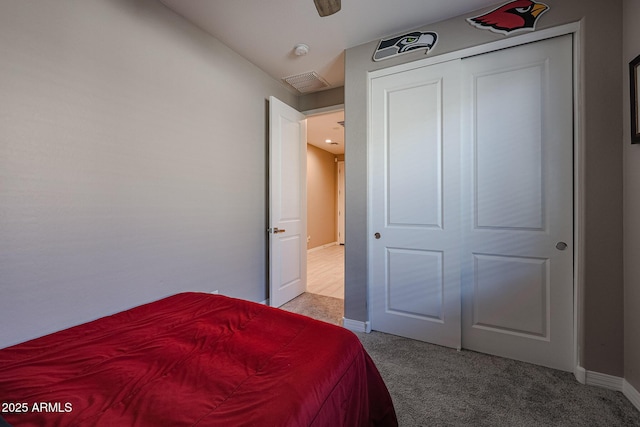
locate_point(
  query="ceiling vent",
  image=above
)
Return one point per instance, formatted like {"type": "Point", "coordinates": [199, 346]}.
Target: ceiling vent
{"type": "Point", "coordinates": [306, 82]}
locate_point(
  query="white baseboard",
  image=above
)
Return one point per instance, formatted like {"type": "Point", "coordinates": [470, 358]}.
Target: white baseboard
{"type": "Point", "coordinates": [608, 381]}
{"type": "Point", "coordinates": [317, 248]}
{"type": "Point", "coordinates": [603, 380]}
{"type": "Point", "coordinates": [356, 325]}
{"type": "Point", "coordinates": [631, 393]}
{"type": "Point", "coordinates": [581, 374]}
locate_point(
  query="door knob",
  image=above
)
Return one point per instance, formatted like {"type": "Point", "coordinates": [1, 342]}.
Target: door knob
{"type": "Point", "coordinates": [377, 235]}
{"type": "Point", "coordinates": [276, 230]}
{"type": "Point", "coordinates": [561, 246]}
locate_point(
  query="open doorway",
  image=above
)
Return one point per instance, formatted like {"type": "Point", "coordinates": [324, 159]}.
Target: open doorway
{"type": "Point", "coordinates": [325, 204]}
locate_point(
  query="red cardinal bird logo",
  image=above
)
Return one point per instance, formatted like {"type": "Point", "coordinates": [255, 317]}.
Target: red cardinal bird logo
{"type": "Point", "coordinates": [518, 15]}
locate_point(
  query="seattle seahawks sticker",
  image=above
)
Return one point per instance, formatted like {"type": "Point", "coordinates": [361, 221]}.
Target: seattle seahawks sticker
{"type": "Point", "coordinates": [518, 15]}
{"type": "Point", "coordinates": [388, 48]}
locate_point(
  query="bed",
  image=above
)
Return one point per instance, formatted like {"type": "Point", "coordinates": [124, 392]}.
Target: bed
{"type": "Point", "coordinates": [194, 359]}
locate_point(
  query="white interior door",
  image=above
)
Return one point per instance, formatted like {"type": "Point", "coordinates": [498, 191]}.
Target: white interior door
{"type": "Point", "coordinates": [518, 203]}
{"type": "Point", "coordinates": [415, 224]}
{"type": "Point", "coordinates": [287, 202]}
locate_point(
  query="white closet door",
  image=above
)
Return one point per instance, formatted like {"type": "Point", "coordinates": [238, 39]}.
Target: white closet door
{"type": "Point", "coordinates": [518, 203]}
{"type": "Point", "coordinates": [415, 224]}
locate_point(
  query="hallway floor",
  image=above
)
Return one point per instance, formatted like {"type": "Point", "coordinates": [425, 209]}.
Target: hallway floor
{"type": "Point", "coordinates": [325, 271]}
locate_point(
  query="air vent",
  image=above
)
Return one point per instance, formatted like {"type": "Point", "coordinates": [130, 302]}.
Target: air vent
{"type": "Point", "coordinates": [306, 82]}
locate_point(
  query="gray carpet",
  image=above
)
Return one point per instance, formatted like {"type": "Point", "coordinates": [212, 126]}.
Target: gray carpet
{"type": "Point", "coordinates": [327, 309]}
{"type": "Point", "coordinates": [437, 386]}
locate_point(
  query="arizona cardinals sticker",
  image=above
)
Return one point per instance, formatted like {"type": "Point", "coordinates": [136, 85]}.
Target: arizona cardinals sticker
{"type": "Point", "coordinates": [388, 48]}
{"type": "Point", "coordinates": [518, 15]}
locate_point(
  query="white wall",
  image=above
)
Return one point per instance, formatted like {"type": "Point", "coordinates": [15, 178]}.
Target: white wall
{"type": "Point", "coordinates": [631, 49]}
{"type": "Point", "coordinates": [132, 162]}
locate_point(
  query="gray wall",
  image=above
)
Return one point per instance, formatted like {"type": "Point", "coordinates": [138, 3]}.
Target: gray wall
{"type": "Point", "coordinates": [322, 99]}
{"type": "Point", "coordinates": [631, 49]}
{"type": "Point", "coordinates": [132, 162]}
{"type": "Point", "coordinates": [601, 322]}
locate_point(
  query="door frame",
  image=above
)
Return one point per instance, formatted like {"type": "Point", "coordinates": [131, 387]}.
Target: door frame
{"type": "Point", "coordinates": [276, 104]}
{"type": "Point", "coordinates": [318, 112]}
{"type": "Point", "coordinates": [578, 156]}
{"type": "Point", "coordinates": [341, 203]}
{"type": "Point", "coordinates": [303, 261]}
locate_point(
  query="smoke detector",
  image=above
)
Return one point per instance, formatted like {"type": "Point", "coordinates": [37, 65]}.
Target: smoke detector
{"type": "Point", "coordinates": [301, 49]}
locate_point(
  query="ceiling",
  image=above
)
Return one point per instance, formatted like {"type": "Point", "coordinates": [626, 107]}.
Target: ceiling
{"type": "Point", "coordinates": [266, 31]}
{"type": "Point", "coordinates": [326, 126]}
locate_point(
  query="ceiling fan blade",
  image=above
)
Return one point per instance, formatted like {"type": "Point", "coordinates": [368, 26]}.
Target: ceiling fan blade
{"type": "Point", "coordinates": [327, 7]}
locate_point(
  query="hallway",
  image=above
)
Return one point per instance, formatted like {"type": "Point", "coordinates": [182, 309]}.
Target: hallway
{"type": "Point", "coordinates": [325, 271]}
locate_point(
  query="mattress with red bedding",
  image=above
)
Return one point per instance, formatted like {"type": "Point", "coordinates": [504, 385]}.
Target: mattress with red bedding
{"type": "Point", "coordinates": [194, 359]}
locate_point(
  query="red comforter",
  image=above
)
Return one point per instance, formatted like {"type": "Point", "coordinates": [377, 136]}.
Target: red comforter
{"type": "Point", "coordinates": [194, 359]}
